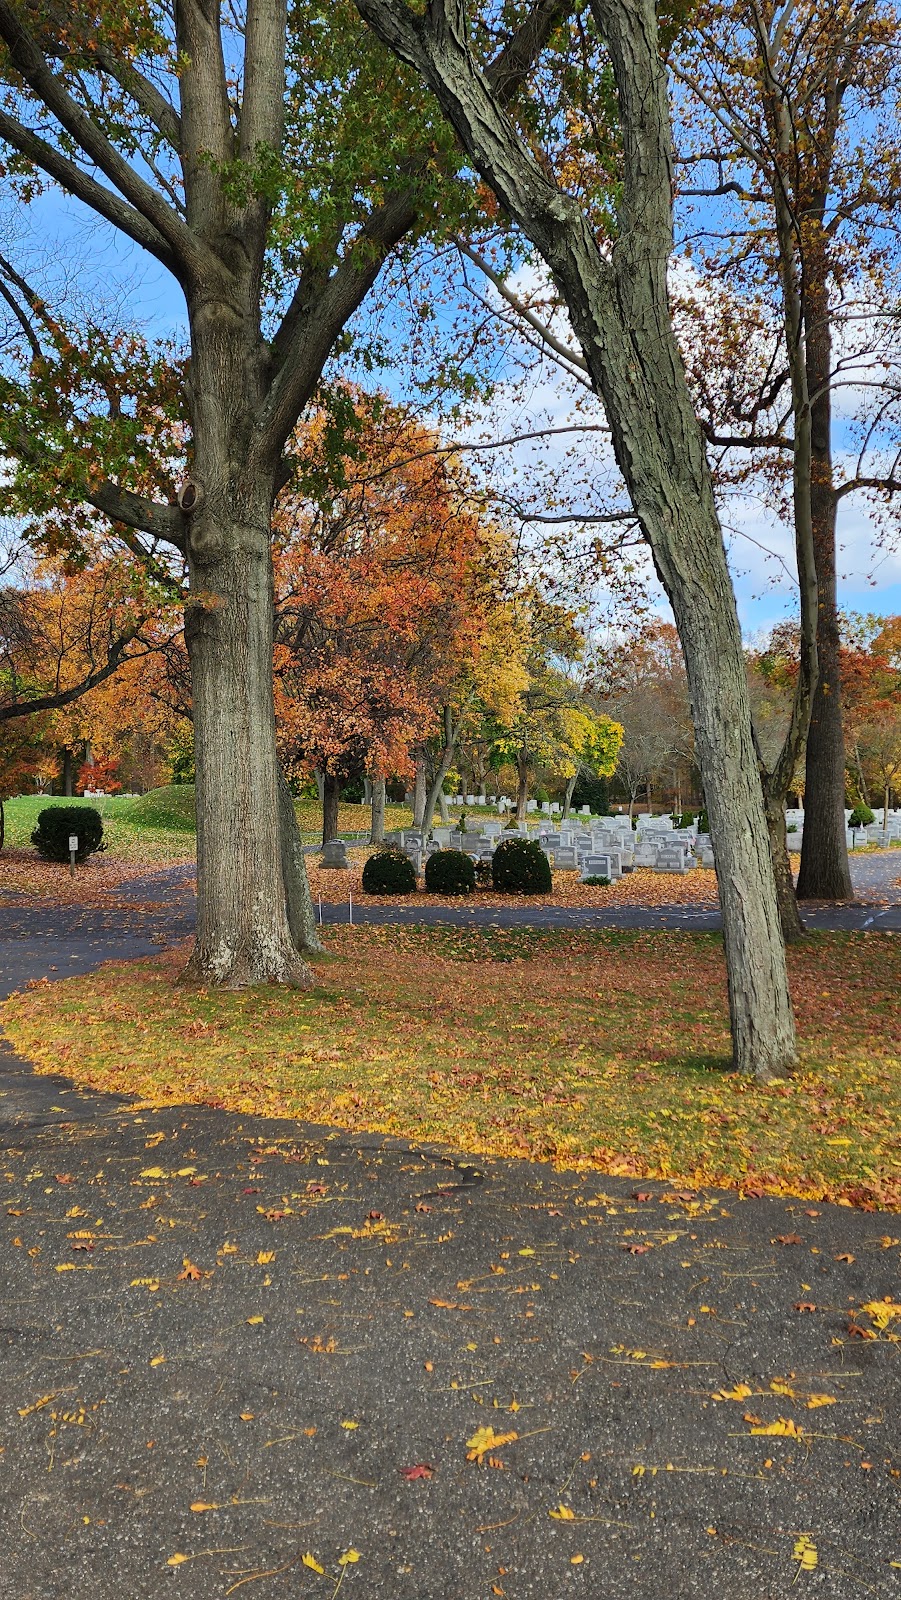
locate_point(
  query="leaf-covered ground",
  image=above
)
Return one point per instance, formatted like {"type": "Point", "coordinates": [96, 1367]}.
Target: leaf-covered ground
{"type": "Point", "coordinates": [605, 1050]}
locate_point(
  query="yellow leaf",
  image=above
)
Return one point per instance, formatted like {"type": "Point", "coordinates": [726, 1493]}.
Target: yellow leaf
{"type": "Point", "coordinates": [247, 1416]}
{"type": "Point", "coordinates": [177, 1559]}
{"type": "Point", "coordinates": [153, 1172]}
{"type": "Point", "coordinates": [576, 1561]}
{"type": "Point", "coordinates": [740, 1392]}
{"type": "Point", "coordinates": [349, 1558]}
{"type": "Point", "coordinates": [485, 1439]}
{"type": "Point", "coordinates": [820, 1400]}
{"type": "Point", "coordinates": [157, 1361]}
{"type": "Point", "coordinates": [350, 1425]}
{"type": "Point", "coordinates": [882, 1312]}
{"type": "Point", "coordinates": [204, 1505]}
{"type": "Point", "coordinates": [66, 1266]}
{"type": "Point", "coordinates": [778, 1386]}
{"type": "Point", "coordinates": [527, 1252]}
{"type": "Point", "coordinates": [255, 1321]}
{"type": "Point", "coordinates": [264, 1258]}
{"type": "Point", "coordinates": [785, 1426]}
{"type": "Point", "coordinates": [563, 1513]}
{"type": "Point", "coordinates": [25, 1411]}
{"type": "Point", "coordinates": [185, 1172]}
{"type": "Point", "coordinates": [313, 1564]}
{"type": "Point", "coordinates": [805, 1553]}
{"type": "Point", "coordinates": [145, 1283]}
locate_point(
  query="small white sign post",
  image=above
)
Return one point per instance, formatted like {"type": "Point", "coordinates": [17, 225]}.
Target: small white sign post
{"type": "Point", "coordinates": [73, 850]}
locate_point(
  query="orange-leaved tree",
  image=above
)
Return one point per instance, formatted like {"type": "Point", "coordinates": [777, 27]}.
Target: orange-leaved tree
{"type": "Point", "coordinates": [383, 575]}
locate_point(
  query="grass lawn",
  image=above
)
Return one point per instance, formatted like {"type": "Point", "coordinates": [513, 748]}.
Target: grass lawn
{"type": "Point", "coordinates": [602, 1049]}
{"type": "Point", "coordinates": [138, 828]}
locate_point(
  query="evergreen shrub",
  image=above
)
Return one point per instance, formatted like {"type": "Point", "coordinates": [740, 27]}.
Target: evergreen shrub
{"type": "Point", "coordinates": [450, 872]}
{"type": "Point", "coordinates": [56, 823]}
{"type": "Point", "coordinates": [520, 866]}
{"type": "Point", "coordinates": [389, 872]}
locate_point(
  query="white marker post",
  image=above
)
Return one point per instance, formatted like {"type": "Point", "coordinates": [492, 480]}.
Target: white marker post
{"type": "Point", "coordinates": [73, 851]}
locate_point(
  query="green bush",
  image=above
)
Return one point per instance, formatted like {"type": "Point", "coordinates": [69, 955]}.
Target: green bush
{"type": "Point", "coordinates": [602, 883]}
{"type": "Point", "coordinates": [389, 872]}
{"type": "Point", "coordinates": [55, 823]}
{"type": "Point", "coordinates": [541, 797]}
{"type": "Point", "coordinates": [703, 822]}
{"type": "Point", "coordinates": [450, 872]}
{"type": "Point", "coordinates": [683, 819]}
{"type": "Point", "coordinates": [861, 817]}
{"type": "Point", "coordinates": [520, 866]}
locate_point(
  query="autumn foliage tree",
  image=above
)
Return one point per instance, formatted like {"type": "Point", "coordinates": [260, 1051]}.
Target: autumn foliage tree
{"type": "Point", "coordinates": [384, 572]}
{"type": "Point", "coordinates": [270, 162]}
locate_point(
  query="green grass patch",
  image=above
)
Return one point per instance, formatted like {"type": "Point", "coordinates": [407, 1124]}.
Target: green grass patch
{"type": "Point", "coordinates": [585, 1049]}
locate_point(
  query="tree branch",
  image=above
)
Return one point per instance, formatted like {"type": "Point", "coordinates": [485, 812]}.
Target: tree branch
{"type": "Point", "coordinates": [28, 59]}
{"type": "Point", "coordinates": [85, 188]}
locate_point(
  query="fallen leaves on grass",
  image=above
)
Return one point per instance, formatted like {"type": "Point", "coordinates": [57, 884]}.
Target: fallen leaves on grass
{"type": "Point", "coordinates": [605, 1050]}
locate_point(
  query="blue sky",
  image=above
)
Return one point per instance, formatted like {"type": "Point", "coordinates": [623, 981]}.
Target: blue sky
{"type": "Point", "coordinates": [66, 245]}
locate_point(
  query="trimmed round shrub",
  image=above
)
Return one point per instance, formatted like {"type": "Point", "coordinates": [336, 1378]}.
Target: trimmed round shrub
{"type": "Point", "coordinates": [598, 882]}
{"type": "Point", "coordinates": [861, 817]}
{"type": "Point", "coordinates": [55, 823]}
{"type": "Point", "coordinates": [389, 872]}
{"type": "Point", "coordinates": [450, 872]}
{"type": "Point", "coordinates": [520, 866]}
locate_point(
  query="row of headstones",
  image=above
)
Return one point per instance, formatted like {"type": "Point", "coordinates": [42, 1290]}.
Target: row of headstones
{"type": "Point", "coordinates": [604, 853]}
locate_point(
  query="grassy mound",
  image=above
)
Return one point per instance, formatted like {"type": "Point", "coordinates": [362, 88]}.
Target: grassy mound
{"type": "Point", "coordinates": [170, 807]}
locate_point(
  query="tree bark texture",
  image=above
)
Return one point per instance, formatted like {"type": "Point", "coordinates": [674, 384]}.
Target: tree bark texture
{"type": "Point", "coordinates": [331, 800]}
{"type": "Point", "coordinates": [568, 797]}
{"type": "Point", "coordinates": [419, 794]}
{"type": "Point", "coordinates": [442, 768]}
{"type": "Point", "coordinates": [619, 311]}
{"type": "Point", "coordinates": [825, 873]}
{"type": "Point", "coordinates": [299, 903]}
{"type": "Point", "coordinates": [789, 916]}
{"type": "Point", "coordinates": [243, 935]}
{"type": "Point", "coordinates": [377, 829]}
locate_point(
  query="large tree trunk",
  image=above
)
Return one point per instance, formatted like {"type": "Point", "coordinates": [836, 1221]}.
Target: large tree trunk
{"type": "Point", "coordinates": [68, 774]}
{"type": "Point", "coordinates": [301, 916]}
{"type": "Point", "coordinates": [331, 800]}
{"type": "Point", "coordinates": [243, 935]}
{"type": "Point", "coordinates": [619, 310]}
{"type": "Point", "coordinates": [825, 874]}
{"type": "Point", "coordinates": [377, 830]}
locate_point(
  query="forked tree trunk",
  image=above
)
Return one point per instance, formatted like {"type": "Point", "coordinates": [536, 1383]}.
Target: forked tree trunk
{"type": "Point", "coordinates": [331, 800]}
{"type": "Point", "coordinates": [377, 830]}
{"type": "Point", "coordinates": [436, 787]}
{"type": "Point", "coordinates": [568, 797]}
{"type": "Point", "coordinates": [243, 935]}
{"type": "Point", "coordinates": [299, 904]}
{"type": "Point", "coordinates": [620, 313]}
{"type": "Point", "coordinates": [789, 916]}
